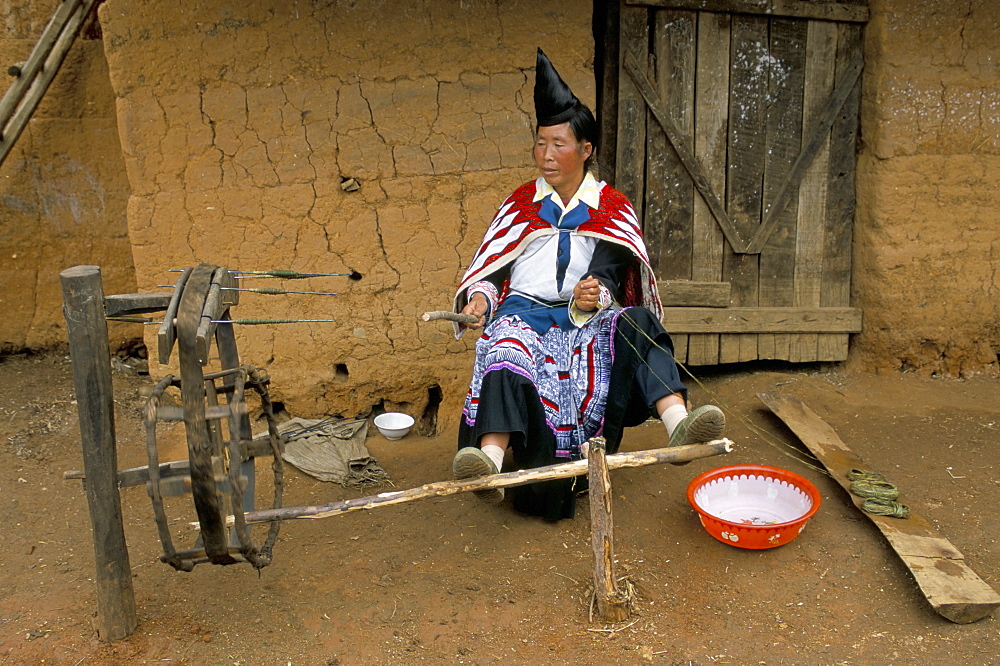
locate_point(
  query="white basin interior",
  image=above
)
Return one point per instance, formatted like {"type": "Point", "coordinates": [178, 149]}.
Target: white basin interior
{"type": "Point", "coordinates": [753, 500]}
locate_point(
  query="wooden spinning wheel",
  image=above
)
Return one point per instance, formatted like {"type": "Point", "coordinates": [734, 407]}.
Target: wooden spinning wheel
{"type": "Point", "coordinates": [220, 465]}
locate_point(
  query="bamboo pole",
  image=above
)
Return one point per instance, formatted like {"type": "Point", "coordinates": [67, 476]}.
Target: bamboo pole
{"type": "Point", "coordinates": [83, 296]}
{"type": "Point", "coordinates": [23, 105]}
{"type": "Point", "coordinates": [28, 69]}
{"type": "Point", "coordinates": [522, 477]}
{"type": "Point", "coordinates": [612, 604]}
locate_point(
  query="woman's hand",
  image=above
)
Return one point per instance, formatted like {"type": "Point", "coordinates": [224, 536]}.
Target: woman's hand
{"type": "Point", "coordinates": [477, 306]}
{"type": "Point", "coordinates": [587, 293]}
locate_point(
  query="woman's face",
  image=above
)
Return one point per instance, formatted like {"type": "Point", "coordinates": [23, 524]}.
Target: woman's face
{"type": "Point", "coordinates": [560, 157]}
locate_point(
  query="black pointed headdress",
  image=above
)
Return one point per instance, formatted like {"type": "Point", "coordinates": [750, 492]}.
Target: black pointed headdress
{"type": "Point", "coordinates": [555, 103]}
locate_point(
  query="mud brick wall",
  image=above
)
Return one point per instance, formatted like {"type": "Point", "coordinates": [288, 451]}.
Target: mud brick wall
{"type": "Point", "coordinates": [62, 188]}
{"type": "Point", "coordinates": [233, 128]}
{"type": "Point", "coordinates": [239, 125]}
{"type": "Point", "coordinates": [927, 239]}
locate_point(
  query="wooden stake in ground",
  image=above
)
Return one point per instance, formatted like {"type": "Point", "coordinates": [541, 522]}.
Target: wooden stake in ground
{"type": "Point", "coordinates": [83, 298]}
{"type": "Point", "coordinates": [952, 588]}
{"type": "Point", "coordinates": [612, 603]}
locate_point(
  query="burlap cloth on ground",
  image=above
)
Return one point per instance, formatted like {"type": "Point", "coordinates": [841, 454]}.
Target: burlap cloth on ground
{"type": "Point", "coordinates": [332, 450]}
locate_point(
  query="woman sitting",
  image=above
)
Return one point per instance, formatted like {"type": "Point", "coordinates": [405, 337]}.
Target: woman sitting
{"type": "Point", "coordinates": [572, 345]}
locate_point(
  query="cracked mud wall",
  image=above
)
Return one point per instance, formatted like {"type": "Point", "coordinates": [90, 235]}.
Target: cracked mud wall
{"type": "Point", "coordinates": [927, 235]}
{"type": "Point", "coordinates": [238, 126]}
{"type": "Point", "coordinates": [63, 188]}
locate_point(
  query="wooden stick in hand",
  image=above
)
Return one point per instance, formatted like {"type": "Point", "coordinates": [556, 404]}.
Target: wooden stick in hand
{"type": "Point", "coordinates": [450, 316]}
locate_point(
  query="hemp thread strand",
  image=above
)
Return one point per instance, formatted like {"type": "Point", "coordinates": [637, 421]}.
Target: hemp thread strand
{"type": "Point", "coordinates": [888, 508]}
{"type": "Point", "coordinates": [881, 495]}
{"type": "Point", "coordinates": [856, 474]}
{"type": "Point", "coordinates": [882, 490]}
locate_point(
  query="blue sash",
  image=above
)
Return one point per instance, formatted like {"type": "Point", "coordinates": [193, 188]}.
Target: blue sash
{"type": "Point", "coordinates": [539, 316]}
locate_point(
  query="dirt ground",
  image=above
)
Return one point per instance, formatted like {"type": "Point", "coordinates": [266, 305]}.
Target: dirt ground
{"type": "Point", "coordinates": [454, 581]}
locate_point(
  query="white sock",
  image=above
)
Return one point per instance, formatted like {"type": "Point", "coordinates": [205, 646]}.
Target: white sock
{"type": "Point", "coordinates": [672, 416]}
{"type": "Point", "coordinates": [494, 453]}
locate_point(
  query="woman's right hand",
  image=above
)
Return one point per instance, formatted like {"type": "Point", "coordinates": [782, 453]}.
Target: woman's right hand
{"type": "Point", "coordinates": [587, 294]}
{"type": "Point", "coordinates": [477, 306]}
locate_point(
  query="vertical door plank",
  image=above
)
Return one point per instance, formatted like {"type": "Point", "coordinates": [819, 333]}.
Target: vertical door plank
{"type": "Point", "coordinates": [631, 149]}
{"type": "Point", "coordinates": [784, 138]}
{"type": "Point", "coordinates": [836, 282]}
{"type": "Point", "coordinates": [680, 347]}
{"type": "Point", "coordinates": [606, 57]}
{"type": "Point", "coordinates": [750, 64]}
{"type": "Point", "coordinates": [669, 189]}
{"type": "Point", "coordinates": [821, 55]}
{"type": "Point", "coordinates": [711, 120]}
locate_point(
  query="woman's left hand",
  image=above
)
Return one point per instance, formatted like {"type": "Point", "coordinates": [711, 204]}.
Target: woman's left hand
{"type": "Point", "coordinates": [587, 293]}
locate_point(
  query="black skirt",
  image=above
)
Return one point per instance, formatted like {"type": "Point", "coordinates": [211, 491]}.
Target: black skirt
{"type": "Point", "coordinates": [643, 372]}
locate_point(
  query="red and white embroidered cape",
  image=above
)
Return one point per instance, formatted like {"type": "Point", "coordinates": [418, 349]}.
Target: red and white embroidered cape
{"type": "Point", "coordinates": [517, 223]}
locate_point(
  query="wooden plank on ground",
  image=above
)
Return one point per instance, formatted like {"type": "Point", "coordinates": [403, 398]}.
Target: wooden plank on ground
{"type": "Point", "coordinates": [836, 283]}
{"type": "Point", "coordinates": [669, 190]}
{"type": "Point", "coordinates": [952, 588]}
{"type": "Point", "coordinates": [631, 149]}
{"type": "Point", "coordinates": [711, 119]}
{"type": "Point", "coordinates": [750, 63]}
{"type": "Point", "coordinates": [821, 52]}
{"type": "Point", "coordinates": [784, 135]}
{"type": "Point", "coordinates": [176, 412]}
{"type": "Point", "coordinates": [762, 320]}
{"type": "Point", "coordinates": [812, 9]}
{"type": "Point", "coordinates": [135, 476]}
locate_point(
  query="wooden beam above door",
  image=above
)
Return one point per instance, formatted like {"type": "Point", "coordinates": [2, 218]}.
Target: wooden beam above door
{"type": "Point", "coordinates": [823, 10]}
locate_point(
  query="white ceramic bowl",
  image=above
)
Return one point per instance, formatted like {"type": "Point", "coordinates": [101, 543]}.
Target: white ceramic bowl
{"type": "Point", "coordinates": [394, 425]}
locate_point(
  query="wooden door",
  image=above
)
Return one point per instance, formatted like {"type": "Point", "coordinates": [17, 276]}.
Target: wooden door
{"type": "Point", "coordinates": [736, 129]}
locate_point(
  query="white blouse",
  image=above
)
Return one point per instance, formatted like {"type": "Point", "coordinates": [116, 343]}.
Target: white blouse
{"type": "Point", "coordinates": [533, 274]}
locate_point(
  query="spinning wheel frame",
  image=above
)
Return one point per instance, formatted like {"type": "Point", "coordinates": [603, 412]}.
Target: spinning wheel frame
{"type": "Point", "coordinates": [192, 319]}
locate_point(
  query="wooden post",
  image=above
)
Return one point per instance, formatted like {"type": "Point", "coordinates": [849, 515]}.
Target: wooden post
{"type": "Point", "coordinates": [83, 298]}
{"type": "Point", "coordinates": [612, 604]}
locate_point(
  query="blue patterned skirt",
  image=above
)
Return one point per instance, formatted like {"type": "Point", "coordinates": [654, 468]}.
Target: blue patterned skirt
{"type": "Point", "coordinates": [556, 390]}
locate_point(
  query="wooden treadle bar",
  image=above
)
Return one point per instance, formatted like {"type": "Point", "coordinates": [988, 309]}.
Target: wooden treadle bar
{"type": "Point", "coordinates": [519, 478]}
